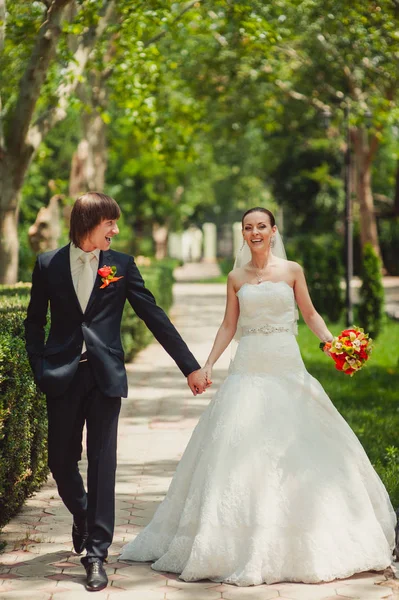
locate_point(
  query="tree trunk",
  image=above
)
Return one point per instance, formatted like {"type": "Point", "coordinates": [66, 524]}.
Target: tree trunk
{"type": "Point", "coordinates": [45, 232]}
{"type": "Point", "coordinates": [9, 246]}
{"type": "Point", "coordinates": [89, 162]}
{"type": "Point", "coordinates": [97, 157]}
{"type": "Point", "coordinates": [396, 196]}
{"type": "Point", "coordinates": [11, 177]}
{"type": "Point", "coordinates": [364, 153]}
{"type": "Point", "coordinates": [160, 237]}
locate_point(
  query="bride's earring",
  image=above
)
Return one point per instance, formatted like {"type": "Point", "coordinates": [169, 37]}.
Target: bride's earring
{"type": "Point", "coordinates": [273, 242]}
{"type": "Point", "coordinates": [243, 244]}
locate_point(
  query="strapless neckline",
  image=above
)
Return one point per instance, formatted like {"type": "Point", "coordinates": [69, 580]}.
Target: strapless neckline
{"type": "Point", "coordinates": [263, 282]}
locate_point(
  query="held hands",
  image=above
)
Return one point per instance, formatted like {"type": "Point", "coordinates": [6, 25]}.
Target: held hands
{"type": "Point", "coordinates": [207, 370]}
{"type": "Point", "coordinates": [197, 381]}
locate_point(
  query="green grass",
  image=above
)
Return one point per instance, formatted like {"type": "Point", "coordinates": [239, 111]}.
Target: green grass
{"type": "Point", "coordinates": [369, 400]}
{"type": "Point", "coordinates": [220, 279]}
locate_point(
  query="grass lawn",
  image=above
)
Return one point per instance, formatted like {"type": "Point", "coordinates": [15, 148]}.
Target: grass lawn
{"type": "Point", "coordinates": [369, 400]}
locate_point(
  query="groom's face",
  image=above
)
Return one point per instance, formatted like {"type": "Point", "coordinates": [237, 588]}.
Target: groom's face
{"type": "Point", "coordinates": [101, 236]}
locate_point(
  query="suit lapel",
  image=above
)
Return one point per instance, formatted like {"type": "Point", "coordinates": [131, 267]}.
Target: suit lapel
{"type": "Point", "coordinates": [67, 276]}
{"type": "Point", "coordinates": [105, 258]}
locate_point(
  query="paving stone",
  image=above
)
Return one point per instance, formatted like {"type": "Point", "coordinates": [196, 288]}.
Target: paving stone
{"type": "Point", "coordinates": [68, 595]}
{"type": "Point", "coordinates": [144, 595]}
{"type": "Point", "coordinates": [25, 595]}
{"type": "Point", "coordinates": [28, 585]}
{"type": "Point", "coordinates": [187, 594]}
{"type": "Point", "coordinates": [365, 591]}
{"type": "Point", "coordinates": [259, 592]}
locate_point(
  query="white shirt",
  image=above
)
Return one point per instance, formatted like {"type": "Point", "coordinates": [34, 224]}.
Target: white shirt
{"type": "Point", "coordinates": [77, 267]}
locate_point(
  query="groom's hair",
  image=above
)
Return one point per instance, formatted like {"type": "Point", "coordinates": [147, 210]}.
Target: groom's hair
{"type": "Point", "coordinates": [88, 212]}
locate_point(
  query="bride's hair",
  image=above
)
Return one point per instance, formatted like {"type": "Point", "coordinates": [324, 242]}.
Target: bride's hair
{"type": "Point", "coordinates": [259, 209]}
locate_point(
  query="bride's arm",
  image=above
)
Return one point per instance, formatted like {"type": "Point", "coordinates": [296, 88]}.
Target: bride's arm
{"type": "Point", "coordinates": [227, 329]}
{"type": "Point", "coordinates": [310, 315]}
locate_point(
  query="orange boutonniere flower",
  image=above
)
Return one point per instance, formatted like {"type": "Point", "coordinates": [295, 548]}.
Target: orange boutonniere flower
{"type": "Point", "coordinates": [107, 275]}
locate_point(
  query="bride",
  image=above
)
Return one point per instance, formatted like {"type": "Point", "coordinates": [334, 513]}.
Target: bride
{"type": "Point", "coordinates": [273, 485]}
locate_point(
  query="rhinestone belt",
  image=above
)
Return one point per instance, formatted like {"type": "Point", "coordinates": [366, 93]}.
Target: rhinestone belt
{"type": "Point", "coordinates": [266, 329]}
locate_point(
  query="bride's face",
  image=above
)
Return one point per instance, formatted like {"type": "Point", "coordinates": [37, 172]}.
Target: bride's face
{"type": "Point", "coordinates": [258, 231]}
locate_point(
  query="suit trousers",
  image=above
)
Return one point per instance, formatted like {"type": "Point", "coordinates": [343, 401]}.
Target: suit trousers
{"type": "Point", "coordinates": [83, 402]}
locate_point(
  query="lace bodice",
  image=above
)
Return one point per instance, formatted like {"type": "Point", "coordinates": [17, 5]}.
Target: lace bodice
{"type": "Point", "coordinates": [266, 304]}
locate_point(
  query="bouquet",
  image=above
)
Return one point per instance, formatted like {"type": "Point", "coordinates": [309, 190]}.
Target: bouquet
{"type": "Point", "coordinates": [350, 350]}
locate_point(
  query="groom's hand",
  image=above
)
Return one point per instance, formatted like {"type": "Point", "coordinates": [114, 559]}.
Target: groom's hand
{"type": "Point", "coordinates": [197, 382]}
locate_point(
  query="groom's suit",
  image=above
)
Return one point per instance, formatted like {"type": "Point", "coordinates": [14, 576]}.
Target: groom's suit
{"type": "Point", "coordinates": [90, 391]}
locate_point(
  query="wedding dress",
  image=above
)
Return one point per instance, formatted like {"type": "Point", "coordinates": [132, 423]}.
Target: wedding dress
{"type": "Point", "coordinates": [273, 485]}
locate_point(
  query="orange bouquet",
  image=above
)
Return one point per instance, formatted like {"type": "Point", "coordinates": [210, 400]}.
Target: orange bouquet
{"type": "Point", "coordinates": [350, 350]}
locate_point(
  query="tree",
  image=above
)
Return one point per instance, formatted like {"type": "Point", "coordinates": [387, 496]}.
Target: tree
{"type": "Point", "coordinates": [33, 111]}
{"type": "Point", "coordinates": [346, 55]}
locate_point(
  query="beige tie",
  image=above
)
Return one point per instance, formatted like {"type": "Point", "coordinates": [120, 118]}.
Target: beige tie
{"type": "Point", "coordinates": [86, 281]}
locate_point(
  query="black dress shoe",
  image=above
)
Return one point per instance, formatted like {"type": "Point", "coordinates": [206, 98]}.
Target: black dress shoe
{"type": "Point", "coordinates": [80, 533]}
{"type": "Point", "coordinates": [96, 579]}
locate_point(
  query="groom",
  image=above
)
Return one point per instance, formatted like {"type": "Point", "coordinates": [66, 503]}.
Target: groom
{"type": "Point", "coordinates": [80, 367]}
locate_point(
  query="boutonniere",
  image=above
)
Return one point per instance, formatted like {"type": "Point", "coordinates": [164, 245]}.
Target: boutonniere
{"type": "Point", "coordinates": [107, 275]}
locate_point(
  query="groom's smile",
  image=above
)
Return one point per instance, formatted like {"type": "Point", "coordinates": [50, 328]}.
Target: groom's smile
{"type": "Point", "coordinates": [101, 236]}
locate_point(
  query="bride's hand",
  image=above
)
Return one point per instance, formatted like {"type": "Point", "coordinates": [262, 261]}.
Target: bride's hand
{"type": "Point", "coordinates": [207, 370]}
{"type": "Point", "coordinates": [326, 349]}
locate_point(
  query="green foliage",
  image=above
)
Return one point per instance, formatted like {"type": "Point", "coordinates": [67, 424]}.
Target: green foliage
{"type": "Point", "coordinates": [18, 291]}
{"type": "Point", "coordinates": [23, 429]}
{"type": "Point", "coordinates": [216, 108]}
{"type": "Point", "coordinates": [321, 258]}
{"type": "Point", "coordinates": [368, 401]}
{"type": "Point", "coordinates": [159, 280]}
{"type": "Point", "coordinates": [226, 265]}
{"type": "Point", "coordinates": [371, 306]}
{"type": "Point", "coordinates": [389, 241]}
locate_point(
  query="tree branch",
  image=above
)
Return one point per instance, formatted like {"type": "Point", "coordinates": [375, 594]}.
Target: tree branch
{"type": "Point", "coordinates": [162, 33]}
{"type": "Point", "coordinates": [298, 96]}
{"type": "Point", "coordinates": [72, 78]}
{"type": "Point", "coordinates": [35, 75]}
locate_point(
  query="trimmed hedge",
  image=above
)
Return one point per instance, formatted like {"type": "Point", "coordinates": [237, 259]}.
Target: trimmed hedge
{"type": "Point", "coordinates": [134, 333]}
{"type": "Point", "coordinates": [23, 459]}
{"type": "Point", "coordinates": [23, 420]}
{"type": "Point", "coordinates": [321, 259]}
{"type": "Point", "coordinates": [371, 306]}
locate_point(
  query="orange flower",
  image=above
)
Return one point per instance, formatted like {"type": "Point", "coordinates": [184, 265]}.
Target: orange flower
{"type": "Point", "coordinates": [108, 275]}
{"type": "Point", "coordinates": [106, 282]}
{"type": "Point", "coordinates": [104, 271]}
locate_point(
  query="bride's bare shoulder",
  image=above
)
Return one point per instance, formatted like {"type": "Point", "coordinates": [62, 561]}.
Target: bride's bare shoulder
{"type": "Point", "coordinates": [294, 267]}
{"type": "Point", "coordinates": [236, 276]}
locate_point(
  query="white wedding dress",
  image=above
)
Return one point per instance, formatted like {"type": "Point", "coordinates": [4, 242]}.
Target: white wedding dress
{"type": "Point", "coordinates": [273, 485]}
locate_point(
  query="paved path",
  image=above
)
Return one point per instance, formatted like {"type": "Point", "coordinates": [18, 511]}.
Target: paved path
{"type": "Point", "coordinates": [155, 425]}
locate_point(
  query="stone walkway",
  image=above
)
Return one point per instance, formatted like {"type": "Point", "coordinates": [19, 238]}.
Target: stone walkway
{"type": "Point", "coordinates": [156, 423]}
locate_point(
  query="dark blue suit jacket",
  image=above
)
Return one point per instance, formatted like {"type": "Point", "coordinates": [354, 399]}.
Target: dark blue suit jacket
{"type": "Point", "coordinates": [55, 361]}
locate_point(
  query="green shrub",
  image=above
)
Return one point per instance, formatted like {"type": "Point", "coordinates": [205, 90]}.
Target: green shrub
{"type": "Point", "coordinates": [18, 290]}
{"type": "Point", "coordinates": [23, 458]}
{"type": "Point", "coordinates": [389, 241]}
{"type": "Point", "coordinates": [371, 306]}
{"type": "Point", "coordinates": [23, 419]}
{"type": "Point", "coordinates": [134, 333]}
{"type": "Point", "coordinates": [226, 265]}
{"type": "Point", "coordinates": [322, 263]}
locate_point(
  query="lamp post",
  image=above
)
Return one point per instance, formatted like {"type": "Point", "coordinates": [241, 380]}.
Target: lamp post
{"type": "Point", "coordinates": [348, 223]}
{"type": "Point", "coordinates": [348, 214]}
